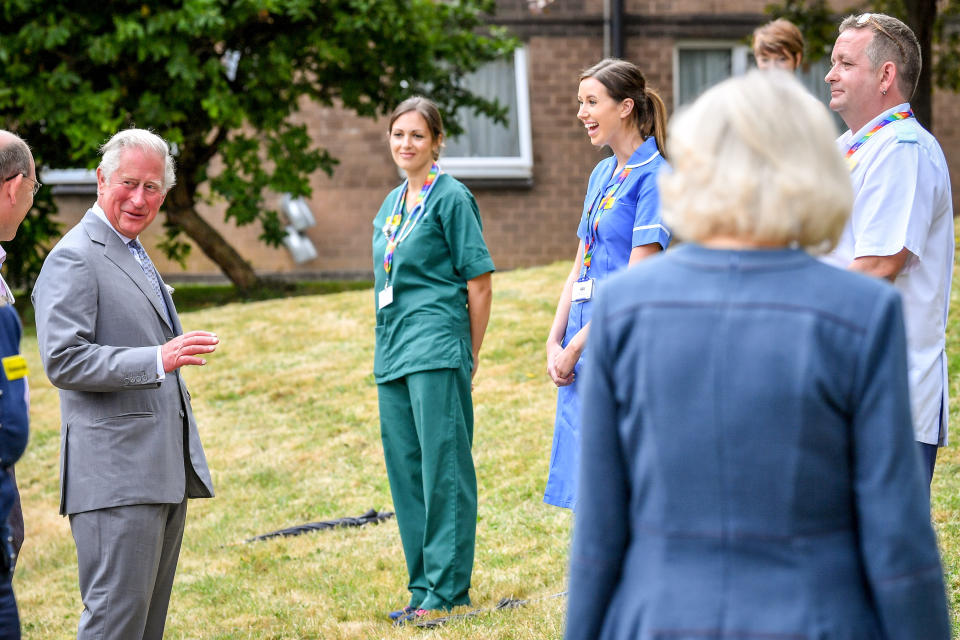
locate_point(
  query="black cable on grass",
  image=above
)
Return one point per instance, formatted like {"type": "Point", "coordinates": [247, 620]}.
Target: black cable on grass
{"type": "Point", "coordinates": [370, 517]}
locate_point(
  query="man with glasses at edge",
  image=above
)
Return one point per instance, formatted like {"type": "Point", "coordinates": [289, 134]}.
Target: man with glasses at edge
{"type": "Point", "coordinates": [901, 227]}
{"type": "Point", "coordinates": [17, 190]}
{"type": "Point", "coordinates": [17, 158]}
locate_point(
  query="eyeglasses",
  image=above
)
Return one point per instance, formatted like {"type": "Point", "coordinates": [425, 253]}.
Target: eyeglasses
{"type": "Point", "coordinates": [36, 183]}
{"type": "Point", "coordinates": [868, 18]}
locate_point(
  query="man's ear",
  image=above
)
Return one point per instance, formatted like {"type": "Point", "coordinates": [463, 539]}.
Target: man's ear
{"type": "Point", "coordinates": [8, 190]}
{"type": "Point", "coordinates": [101, 182]}
{"type": "Point", "coordinates": [888, 76]}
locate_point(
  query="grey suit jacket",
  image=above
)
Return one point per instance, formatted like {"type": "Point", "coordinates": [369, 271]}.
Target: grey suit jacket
{"type": "Point", "coordinates": [122, 431]}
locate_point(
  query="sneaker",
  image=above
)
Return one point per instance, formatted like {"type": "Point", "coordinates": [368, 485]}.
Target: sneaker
{"type": "Point", "coordinates": [411, 617]}
{"type": "Point", "coordinates": [394, 615]}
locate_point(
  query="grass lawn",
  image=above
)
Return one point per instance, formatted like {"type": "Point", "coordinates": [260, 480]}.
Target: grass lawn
{"type": "Point", "coordinates": [287, 411]}
{"type": "Point", "coordinates": [288, 415]}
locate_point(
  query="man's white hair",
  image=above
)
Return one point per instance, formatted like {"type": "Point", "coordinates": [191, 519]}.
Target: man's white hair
{"type": "Point", "coordinates": [143, 140]}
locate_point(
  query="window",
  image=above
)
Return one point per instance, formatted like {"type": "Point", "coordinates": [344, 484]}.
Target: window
{"type": "Point", "coordinates": [70, 181]}
{"type": "Point", "coordinates": [697, 66]}
{"type": "Point", "coordinates": [812, 79]}
{"type": "Point", "coordinates": [488, 150]}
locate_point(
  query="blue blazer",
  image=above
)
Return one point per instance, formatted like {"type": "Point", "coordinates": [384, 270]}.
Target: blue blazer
{"type": "Point", "coordinates": [13, 421]}
{"type": "Point", "coordinates": [748, 466]}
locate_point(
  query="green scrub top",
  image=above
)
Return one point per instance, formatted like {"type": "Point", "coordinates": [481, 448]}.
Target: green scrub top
{"type": "Point", "coordinates": [427, 325]}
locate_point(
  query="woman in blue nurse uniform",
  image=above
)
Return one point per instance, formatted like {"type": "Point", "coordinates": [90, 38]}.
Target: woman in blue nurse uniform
{"type": "Point", "coordinates": [620, 225]}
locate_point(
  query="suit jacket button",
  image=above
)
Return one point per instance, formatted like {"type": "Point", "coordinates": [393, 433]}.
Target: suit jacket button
{"type": "Point", "coordinates": [182, 414]}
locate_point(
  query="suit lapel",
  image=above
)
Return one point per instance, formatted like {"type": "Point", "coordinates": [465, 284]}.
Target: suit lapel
{"type": "Point", "coordinates": [168, 299]}
{"type": "Point", "coordinates": [117, 252]}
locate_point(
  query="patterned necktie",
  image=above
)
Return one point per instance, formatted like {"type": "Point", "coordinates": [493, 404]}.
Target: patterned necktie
{"type": "Point", "coordinates": [148, 270]}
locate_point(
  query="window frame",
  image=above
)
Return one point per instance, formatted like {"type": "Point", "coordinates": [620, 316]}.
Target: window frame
{"type": "Point", "coordinates": [739, 59]}
{"type": "Point", "coordinates": [70, 181]}
{"type": "Point", "coordinates": [503, 168]}
{"type": "Point", "coordinates": [741, 62]}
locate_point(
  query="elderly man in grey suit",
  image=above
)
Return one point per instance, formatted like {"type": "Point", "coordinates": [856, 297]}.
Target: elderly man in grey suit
{"type": "Point", "coordinates": [111, 341]}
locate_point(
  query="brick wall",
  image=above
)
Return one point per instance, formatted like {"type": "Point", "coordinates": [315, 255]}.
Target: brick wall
{"type": "Point", "coordinates": [684, 7]}
{"type": "Point", "coordinates": [702, 7]}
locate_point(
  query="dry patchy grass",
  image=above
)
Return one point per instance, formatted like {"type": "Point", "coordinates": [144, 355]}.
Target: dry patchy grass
{"type": "Point", "coordinates": [287, 411]}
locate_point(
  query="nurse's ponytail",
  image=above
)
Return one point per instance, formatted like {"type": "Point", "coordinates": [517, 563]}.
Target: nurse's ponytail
{"type": "Point", "coordinates": [655, 123]}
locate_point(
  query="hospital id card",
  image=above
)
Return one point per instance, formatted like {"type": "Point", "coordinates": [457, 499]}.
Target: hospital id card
{"type": "Point", "coordinates": [385, 297]}
{"type": "Point", "coordinates": [582, 290]}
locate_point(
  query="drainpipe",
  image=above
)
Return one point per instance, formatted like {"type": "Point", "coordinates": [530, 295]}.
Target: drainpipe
{"type": "Point", "coordinates": [613, 28]}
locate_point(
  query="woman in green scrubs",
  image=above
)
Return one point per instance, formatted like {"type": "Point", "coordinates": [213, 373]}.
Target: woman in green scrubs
{"type": "Point", "coordinates": [432, 295]}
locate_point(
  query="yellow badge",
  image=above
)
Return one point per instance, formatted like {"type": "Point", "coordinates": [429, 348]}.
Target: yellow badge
{"type": "Point", "coordinates": [14, 367]}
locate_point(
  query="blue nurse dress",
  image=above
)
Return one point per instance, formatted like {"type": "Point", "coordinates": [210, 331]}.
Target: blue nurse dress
{"type": "Point", "coordinates": [632, 221]}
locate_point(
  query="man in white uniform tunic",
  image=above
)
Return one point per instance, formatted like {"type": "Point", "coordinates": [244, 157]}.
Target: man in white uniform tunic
{"type": "Point", "coordinates": [902, 222]}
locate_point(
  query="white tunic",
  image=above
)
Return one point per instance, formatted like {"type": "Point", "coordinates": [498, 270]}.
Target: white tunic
{"type": "Point", "coordinates": [903, 200]}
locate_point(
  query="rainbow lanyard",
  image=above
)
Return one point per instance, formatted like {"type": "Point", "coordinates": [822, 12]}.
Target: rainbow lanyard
{"type": "Point", "coordinates": [590, 243]}
{"type": "Point", "coordinates": [893, 117]}
{"type": "Point", "coordinates": [392, 229]}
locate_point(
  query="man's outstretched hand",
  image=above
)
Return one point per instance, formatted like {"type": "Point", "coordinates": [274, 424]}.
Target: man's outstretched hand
{"type": "Point", "coordinates": [186, 349]}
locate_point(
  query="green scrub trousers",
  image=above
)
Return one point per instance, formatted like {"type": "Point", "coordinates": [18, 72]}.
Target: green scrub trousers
{"type": "Point", "coordinates": [426, 422]}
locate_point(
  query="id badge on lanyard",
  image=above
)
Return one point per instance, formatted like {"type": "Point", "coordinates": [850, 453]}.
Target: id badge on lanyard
{"type": "Point", "coordinates": [396, 233]}
{"type": "Point", "coordinates": [583, 287]}
{"type": "Point", "coordinates": [582, 290]}
{"type": "Point", "coordinates": [385, 296]}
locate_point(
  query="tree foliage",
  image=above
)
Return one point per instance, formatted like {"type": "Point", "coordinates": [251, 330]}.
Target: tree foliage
{"type": "Point", "coordinates": [72, 74]}
{"type": "Point", "coordinates": [815, 21]}
{"type": "Point", "coordinates": [946, 70]}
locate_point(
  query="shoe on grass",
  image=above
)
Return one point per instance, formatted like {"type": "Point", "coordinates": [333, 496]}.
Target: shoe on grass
{"type": "Point", "coordinates": [395, 615]}
{"type": "Point", "coordinates": [411, 617]}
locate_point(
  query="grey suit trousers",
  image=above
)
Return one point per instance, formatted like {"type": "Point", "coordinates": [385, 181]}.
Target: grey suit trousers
{"type": "Point", "coordinates": [127, 558]}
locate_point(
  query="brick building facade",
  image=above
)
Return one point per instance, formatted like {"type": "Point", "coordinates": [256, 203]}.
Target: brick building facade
{"type": "Point", "coordinates": [526, 221]}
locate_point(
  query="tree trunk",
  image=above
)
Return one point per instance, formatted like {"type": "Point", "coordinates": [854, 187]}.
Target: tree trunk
{"type": "Point", "coordinates": [181, 211]}
{"type": "Point", "coordinates": [921, 14]}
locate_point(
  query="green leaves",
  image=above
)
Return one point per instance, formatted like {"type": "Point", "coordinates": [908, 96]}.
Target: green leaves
{"type": "Point", "coordinates": [946, 69]}
{"type": "Point", "coordinates": [815, 21]}
{"type": "Point", "coordinates": [82, 73]}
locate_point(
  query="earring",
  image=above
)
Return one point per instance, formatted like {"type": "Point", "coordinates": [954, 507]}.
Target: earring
{"type": "Point", "coordinates": [884, 92]}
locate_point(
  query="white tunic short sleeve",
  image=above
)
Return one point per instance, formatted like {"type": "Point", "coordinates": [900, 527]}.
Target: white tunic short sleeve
{"type": "Point", "coordinates": [903, 200]}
